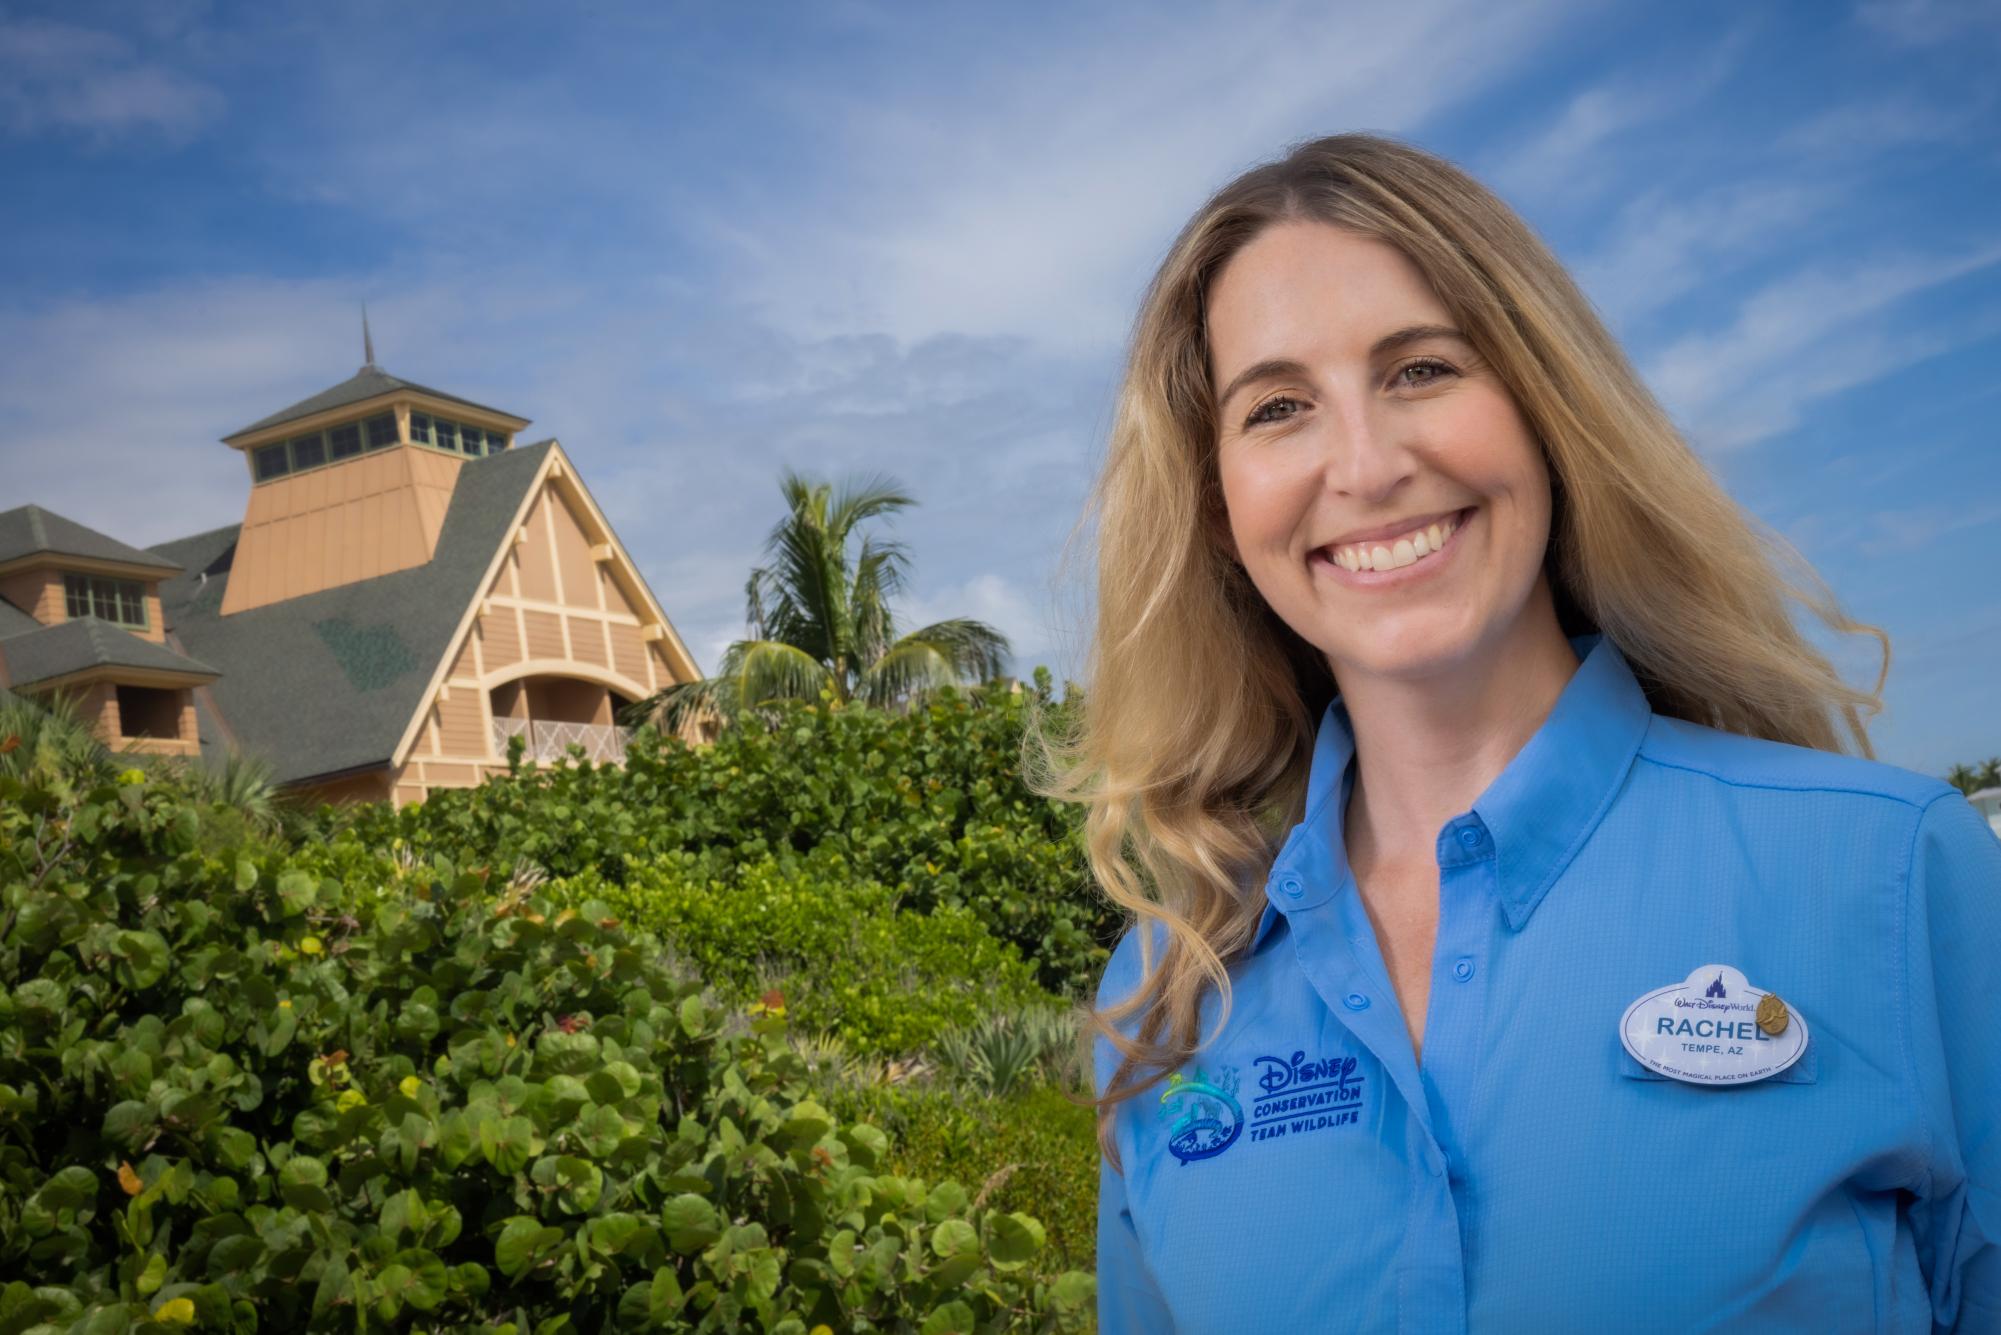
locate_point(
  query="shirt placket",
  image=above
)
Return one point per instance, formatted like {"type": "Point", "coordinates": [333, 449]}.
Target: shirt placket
{"type": "Point", "coordinates": [1331, 940]}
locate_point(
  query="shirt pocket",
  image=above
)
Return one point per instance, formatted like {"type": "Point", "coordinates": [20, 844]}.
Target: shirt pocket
{"type": "Point", "coordinates": [1805, 1071]}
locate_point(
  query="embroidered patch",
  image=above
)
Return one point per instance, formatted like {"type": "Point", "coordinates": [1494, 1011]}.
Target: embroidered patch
{"type": "Point", "coordinates": [1294, 1096]}
{"type": "Point", "coordinates": [1297, 1096]}
{"type": "Point", "coordinates": [1207, 1119]}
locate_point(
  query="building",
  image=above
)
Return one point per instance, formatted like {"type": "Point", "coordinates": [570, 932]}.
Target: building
{"type": "Point", "coordinates": [1988, 803]}
{"type": "Point", "coordinates": [408, 590]}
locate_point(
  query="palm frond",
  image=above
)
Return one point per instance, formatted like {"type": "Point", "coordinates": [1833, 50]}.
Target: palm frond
{"type": "Point", "coordinates": [944, 652]}
{"type": "Point", "coordinates": [867, 498]}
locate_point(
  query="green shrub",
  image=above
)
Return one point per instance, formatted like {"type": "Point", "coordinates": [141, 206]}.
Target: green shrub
{"type": "Point", "coordinates": [1032, 1150]}
{"type": "Point", "coordinates": [845, 958]}
{"type": "Point", "coordinates": [237, 1094]}
{"type": "Point", "coordinates": [929, 803]}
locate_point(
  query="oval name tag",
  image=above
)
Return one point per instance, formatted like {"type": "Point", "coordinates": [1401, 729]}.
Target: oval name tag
{"type": "Point", "coordinates": [1713, 1029]}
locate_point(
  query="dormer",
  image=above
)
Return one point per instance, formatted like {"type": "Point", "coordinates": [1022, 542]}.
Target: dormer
{"type": "Point", "coordinates": [352, 483]}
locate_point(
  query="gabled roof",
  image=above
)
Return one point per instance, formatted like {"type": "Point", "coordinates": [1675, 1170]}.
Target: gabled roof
{"type": "Point", "coordinates": [86, 642]}
{"type": "Point", "coordinates": [27, 530]}
{"type": "Point", "coordinates": [369, 382]}
{"type": "Point", "coordinates": [329, 681]}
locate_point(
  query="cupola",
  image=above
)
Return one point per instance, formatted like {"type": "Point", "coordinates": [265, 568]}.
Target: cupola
{"type": "Point", "coordinates": [352, 483]}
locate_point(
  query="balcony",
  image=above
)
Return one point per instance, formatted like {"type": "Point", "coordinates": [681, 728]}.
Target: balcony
{"type": "Point", "coordinates": [604, 744]}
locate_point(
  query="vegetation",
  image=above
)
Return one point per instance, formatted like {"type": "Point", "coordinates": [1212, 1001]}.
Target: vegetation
{"type": "Point", "coordinates": [246, 1084]}
{"type": "Point", "coordinates": [1970, 779]}
{"type": "Point", "coordinates": [820, 618]}
{"type": "Point", "coordinates": [927, 803]}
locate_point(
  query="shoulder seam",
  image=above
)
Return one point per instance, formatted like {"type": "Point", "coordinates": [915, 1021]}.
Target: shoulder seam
{"type": "Point", "coordinates": [1782, 787]}
{"type": "Point", "coordinates": [1906, 1038]}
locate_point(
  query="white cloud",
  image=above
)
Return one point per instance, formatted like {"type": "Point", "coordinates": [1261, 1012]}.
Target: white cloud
{"type": "Point", "coordinates": [56, 76]}
{"type": "Point", "coordinates": [1930, 22]}
{"type": "Point", "coordinates": [1811, 334]}
{"type": "Point", "coordinates": [1563, 161]}
{"type": "Point", "coordinates": [1662, 246]}
{"type": "Point", "coordinates": [1035, 199]}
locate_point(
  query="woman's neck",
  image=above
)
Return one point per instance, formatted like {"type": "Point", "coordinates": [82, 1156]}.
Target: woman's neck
{"type": "Point", "coordinates": [1426, 748]}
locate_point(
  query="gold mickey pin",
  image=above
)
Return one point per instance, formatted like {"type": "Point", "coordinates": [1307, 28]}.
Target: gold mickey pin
{"type": "Point", "coordinates": [1773, 1015]}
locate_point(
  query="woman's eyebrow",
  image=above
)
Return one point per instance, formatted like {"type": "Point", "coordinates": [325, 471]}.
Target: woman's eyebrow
{"type": "Point", "coordinates": [1276, 367]}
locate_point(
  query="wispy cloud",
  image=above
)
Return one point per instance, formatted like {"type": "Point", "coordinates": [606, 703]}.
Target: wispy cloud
{"type": "Point", "coordinates": [1806, 336]}
{"type": "Point", "coordinates": [57, 76]}
{"type": "Point", "coordinates": [1036, 202]}
{"type": "Point", "coordinates": [1565, 160]}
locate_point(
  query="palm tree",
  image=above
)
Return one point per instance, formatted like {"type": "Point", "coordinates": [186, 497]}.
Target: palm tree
{"type": "Point", "coordinates": [1988, 775]}
{"type": "Point", "coordinates": [820, 621]}
{"type": "Point", "coordinates": [1964, 779]}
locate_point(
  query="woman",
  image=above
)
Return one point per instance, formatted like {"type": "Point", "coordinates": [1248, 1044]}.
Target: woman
{"type": "Point", "coordinates": [1515, 950]}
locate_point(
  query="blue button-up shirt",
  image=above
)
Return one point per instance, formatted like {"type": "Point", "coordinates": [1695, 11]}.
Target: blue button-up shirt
{"type": "Point", "coordinates": [1304, 1172]}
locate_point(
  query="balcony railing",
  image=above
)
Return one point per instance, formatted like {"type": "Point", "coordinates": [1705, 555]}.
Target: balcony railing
{"type": "Point", "coordinates": [603, 743]}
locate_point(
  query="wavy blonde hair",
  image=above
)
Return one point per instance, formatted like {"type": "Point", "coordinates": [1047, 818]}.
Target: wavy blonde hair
{"type": "Point", "coordinates": [1193, 742]}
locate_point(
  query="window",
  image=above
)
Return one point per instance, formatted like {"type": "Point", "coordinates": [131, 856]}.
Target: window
{"type": "Point", "coordinates": [448, 433]}
{"type": "Point", "coordinates": [381, 430]}
{"type": "Point", "coordinates": [308, 451]}
{"type": "Point", "coordinates": [420, 428]}
{"type": "Point", "coordinates": [146, 711]}
{"type": "Point", "coordinates": [344, 440]}
{"type": "Point", "coordinates": [271, 461]}
{"type": "Point", "coordinates": [119, 601]}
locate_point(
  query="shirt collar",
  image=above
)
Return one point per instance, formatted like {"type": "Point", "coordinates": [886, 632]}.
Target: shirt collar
{"type": "Point", "coordinates": [1538, 811]}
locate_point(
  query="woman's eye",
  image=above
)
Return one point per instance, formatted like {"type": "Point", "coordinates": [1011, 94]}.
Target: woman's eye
{"type": "Point", "coordinates": [1438, 368]}
{"type": "Point", "coordinates": [1259, 416]}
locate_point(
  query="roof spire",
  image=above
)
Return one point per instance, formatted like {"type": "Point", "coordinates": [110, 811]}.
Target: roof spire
{"type": "Point", "coordinates": [367, 339]}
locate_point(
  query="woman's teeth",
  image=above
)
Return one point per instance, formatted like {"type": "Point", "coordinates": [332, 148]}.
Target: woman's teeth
{"type": "Point", "coordinates": [1409, 549]}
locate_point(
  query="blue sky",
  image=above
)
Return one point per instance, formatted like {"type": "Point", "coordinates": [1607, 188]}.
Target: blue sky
{"type": "Point", "coordinates": [701, 242]}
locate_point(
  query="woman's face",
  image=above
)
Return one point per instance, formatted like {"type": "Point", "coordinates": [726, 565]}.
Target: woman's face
{"type": "Point", "coordinates": [1384, 493]}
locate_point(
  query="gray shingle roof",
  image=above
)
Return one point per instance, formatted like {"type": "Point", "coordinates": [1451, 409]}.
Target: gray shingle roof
{"type": "Point", "coordinates": [83, 642]}
{"type": "Point", "coordinates": [28, 529]}
{"type": "Point", "coordinates": [367, 383]}
{"type": "Point", "coordinates": [328, 682]}
{"type": "Point", "coordinates": [13, 621]}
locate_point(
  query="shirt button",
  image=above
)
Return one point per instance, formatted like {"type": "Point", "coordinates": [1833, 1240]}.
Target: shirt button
{"type": "Point", "coordinates": [1434, 1162]}
{"type": "Point", "coordinates": [1355, 1001]}
{"type": "Point", "coordinates": [1470, 837]}
{"type": "Point", "coordinates": [1290, 887]}
{"type": "Point", "coordinates": [1464, 968]}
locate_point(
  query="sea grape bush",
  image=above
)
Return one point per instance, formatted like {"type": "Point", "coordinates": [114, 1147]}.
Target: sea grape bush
{"type": "Point", "coordinates": [238, 1093]}
{"type": "Point", "coordinates": [928, 803]}
{"type": "Point", "coordinates": [845, 957]}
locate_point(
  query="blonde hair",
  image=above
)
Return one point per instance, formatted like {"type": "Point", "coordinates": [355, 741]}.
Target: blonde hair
{"type": "Point", "coordinates": [1193, 741]}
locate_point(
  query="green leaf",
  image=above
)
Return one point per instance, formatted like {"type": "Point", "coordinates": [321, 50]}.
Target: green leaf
{"type": "Point", "coordinates": [524, 1242]}
{"type": "Point", "coordinates": [1012, 1239]}
{"type": "Point", "coordinates": [142, 958]}
{"type": "Point", "coordinates": [954, 1237]}
{"type": "Point", "coordinates": [953, 1318]}
{"type": "Point", "coordinates": [691, 1223]}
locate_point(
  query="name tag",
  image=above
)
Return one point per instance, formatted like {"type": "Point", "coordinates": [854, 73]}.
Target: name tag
{"type": "Point", "coordinates": [1714, 1028]}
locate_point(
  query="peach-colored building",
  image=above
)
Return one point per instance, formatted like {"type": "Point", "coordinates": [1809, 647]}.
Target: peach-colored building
{"type": "Point", "coordinates": [408, 590]}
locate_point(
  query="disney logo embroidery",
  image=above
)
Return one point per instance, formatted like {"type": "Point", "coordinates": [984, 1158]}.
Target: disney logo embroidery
{"type": "Point", "coordinates": [1209, 1117]}
{"type": "Point", "coordinates": [1282, 1073]}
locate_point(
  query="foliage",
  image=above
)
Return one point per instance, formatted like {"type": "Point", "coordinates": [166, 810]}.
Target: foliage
{"type": "Point", "coordinates": [239, 1093]}
{"type": "Point", "coordinates": [929, 803]}
{"type": "Point", "coordinates": [1032, 1150]}
{"type": "Point", "coordinates": [820, 619]}
{"type": "Point", "coordinates": [1010, 1049]}
{"type": "Point", "coordinates": [1970, 779]}
{"type": "Point", "coordinates": [837, 948]}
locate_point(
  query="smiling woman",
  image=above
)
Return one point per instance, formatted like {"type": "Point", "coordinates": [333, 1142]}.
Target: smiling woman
{"type": "Point", "coordinates": [1448, 729]}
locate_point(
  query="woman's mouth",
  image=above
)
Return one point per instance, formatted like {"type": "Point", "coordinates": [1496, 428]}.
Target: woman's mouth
{"type": "Point", "coordinates": [1395, 560]}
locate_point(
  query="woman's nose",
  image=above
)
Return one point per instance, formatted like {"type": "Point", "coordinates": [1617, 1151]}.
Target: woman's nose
{"type": "Point", "coordinates": [1364, 455]}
